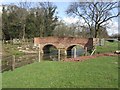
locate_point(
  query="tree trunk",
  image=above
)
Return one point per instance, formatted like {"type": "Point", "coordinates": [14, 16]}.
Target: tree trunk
{"type": "Point", "coordinates": [23, 38]}
{"type": "Point", "coordinates": [91, 33]}
{"type": "Point", "coordinates": [96, 32]}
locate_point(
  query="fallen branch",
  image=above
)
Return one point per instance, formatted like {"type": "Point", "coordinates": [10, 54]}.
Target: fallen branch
{"type": "Point", "coordinates": [93, 52]}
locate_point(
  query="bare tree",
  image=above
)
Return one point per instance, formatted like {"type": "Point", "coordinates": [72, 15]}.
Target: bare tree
{"type": "Point", "coordinates": [94, 14]}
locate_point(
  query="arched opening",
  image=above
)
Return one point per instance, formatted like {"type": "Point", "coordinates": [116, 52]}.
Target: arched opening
{"type": "Point", "coordinates": [50, 52]}
{"type": "Point", "coordinates": [75, 51]}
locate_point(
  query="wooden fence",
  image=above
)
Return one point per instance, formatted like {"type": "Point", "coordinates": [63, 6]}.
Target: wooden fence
{"type": "Point", "coordinates": [25, 59]}
{"type": "Point", "coordinates": [11, 62]}
{"type": "Point", "coordinates": [6, 63]}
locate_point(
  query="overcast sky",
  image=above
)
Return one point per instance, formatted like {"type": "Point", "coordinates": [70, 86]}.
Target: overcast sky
{"type": "Point", "coordinates": [62, 5]}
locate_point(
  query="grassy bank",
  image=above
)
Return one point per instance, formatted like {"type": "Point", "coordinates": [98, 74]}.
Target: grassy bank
{"type": "Point", "coordinates": [108, 47]}
{"type": "Point", "coordinates": [99, 72]}
{"type": "Point", "coordinates": [9, 49]}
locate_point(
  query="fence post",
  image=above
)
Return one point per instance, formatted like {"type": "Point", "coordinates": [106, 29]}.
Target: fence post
{"type": "Point", "coordinates": [39, 53]}
{"type": "Point", "coordinates": [58, 54]}
{"type": "Point", "coordinates": [13, 63]}
{"type": "Point", "coordinates": [85, 51]}
{"type": "Point", "coordinates": [75, 53]}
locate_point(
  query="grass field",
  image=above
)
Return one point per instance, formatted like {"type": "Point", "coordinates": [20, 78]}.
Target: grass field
{"type": "Point", "coordinates": [108, 47]}
{"type": "Point", "coordinates": [100, 72]}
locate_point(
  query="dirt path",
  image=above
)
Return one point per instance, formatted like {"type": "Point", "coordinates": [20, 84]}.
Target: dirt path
{"type": "Point", "coordinates": [83, 58]}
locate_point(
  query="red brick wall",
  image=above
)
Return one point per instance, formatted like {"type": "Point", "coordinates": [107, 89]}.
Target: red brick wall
{"type": "Point", "coordinates": [36, 40]}
{"type": "Point", "coordinates": [65, 41]}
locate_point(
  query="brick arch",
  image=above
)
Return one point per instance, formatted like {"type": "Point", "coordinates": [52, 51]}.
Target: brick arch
{"type": "Point", "coordinates": [47, 53]}
{"type": "Point", "coordinates": [52, 44]}
{"type": "Point", "coordinates": [47, 47]}
{"type": "Point", "coordinates": [73, 45]}
{"type": "Point", "coordinates": [69, 48]}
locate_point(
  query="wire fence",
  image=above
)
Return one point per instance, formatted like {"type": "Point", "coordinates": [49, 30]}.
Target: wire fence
{"type": "Point", "coordinates": [25, 59]}
{"type": "Point", "coordinates": [53, 55]}
{"type": "Point", "coordinates": [6, 63]}
{"type": "Point", "coordinates": [11, 62]}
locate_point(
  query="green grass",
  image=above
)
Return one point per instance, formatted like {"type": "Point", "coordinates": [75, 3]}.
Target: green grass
{"type": "Point", "coordinates": [100, 72]}
{"type": "Point", "coordinates": [108, 47]}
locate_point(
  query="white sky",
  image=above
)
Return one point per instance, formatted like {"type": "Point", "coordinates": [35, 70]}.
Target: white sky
{"type": "Point", "coordinates": [113, 25]}
{"type": "Point", "coordinates": [0, 8]}
{"type": "Point", "coordinates": [59, 0]}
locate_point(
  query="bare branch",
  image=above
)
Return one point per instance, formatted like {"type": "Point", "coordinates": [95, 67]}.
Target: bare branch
{"type": "Point", "coordinates": [94, 13]}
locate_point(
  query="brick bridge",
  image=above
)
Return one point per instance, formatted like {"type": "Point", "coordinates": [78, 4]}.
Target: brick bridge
{"type": "Point", "coordinates": [62, 44]}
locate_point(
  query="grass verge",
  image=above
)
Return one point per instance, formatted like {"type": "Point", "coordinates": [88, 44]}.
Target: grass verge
{"type": "Point", "coordinates": [99, 72]}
